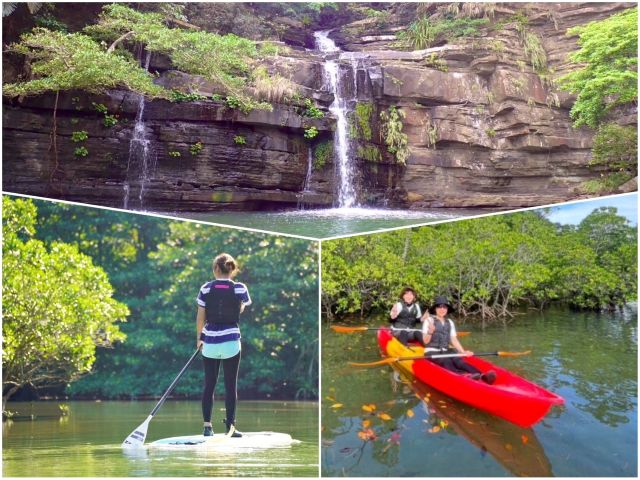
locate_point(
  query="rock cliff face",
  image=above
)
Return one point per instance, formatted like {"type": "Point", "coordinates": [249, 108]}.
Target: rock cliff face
{"type": "Point", "coordinates": [484, 129]}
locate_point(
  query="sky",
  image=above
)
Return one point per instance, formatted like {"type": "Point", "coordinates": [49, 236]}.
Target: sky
{"type": "Point", "coordinates": [574, 213]}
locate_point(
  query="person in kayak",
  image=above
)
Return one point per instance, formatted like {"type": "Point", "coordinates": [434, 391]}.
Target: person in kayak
{"type": "Point", "coordinates": [406, 314]}
{"type": "Point", "coordinates": [220, 303]}
{"type": "Point", "coordinates": [440, 331]}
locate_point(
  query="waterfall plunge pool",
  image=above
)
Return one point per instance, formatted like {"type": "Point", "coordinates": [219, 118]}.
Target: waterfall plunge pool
{"type": "Point", "coordinates": [327, 223]}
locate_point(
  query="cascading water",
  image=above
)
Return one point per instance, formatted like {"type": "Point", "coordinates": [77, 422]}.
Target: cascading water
{"type": "Point", "coordinates": [139, 162]}
{"type": "Point", "coordinates": [307, 179]}
{"type": "Point", "coordinates": [339, 107]}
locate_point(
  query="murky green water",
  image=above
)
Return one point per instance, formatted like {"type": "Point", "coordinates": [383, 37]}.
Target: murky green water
{"type": "Point", "coordinates": [589, 359]}
{"type": "Point", "coordinates": [86, 443]}
{"type": "Point", "coordinates": [329, 222]}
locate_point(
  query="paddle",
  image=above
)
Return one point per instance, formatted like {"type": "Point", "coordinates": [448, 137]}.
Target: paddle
{"type": "Point", "coordinates": [345, 329]}
{"type": "Point", "coordinates": [388, 360]}
{"type": "Point", "coordinates": [136, 438]}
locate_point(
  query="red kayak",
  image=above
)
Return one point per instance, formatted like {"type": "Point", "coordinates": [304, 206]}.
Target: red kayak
{"type": "Point", "coordinates": [510, 397]}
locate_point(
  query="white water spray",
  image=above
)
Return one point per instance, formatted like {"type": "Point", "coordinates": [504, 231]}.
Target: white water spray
{"type": "Point", "coordinates": [339, 107]}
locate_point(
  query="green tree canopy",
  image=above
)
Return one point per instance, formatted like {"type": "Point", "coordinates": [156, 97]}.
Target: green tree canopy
{"type": "Point", "coordinates": [607, 73]}
{"type": "Point", "coordinates": [487, 267]}
{"type": "Point", "coordinates": [67, 61]}
{"type": "Point", "coordinates": [57, 306]}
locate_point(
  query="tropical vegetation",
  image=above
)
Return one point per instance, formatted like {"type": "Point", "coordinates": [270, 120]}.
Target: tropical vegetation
{"type": "Point", "coordinates": [155, 268]}
{"type": "Point", "coordinates": [489, 267]}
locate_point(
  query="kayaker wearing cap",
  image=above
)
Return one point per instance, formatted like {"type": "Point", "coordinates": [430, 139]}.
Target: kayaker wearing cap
{"type": "Point", "coordinates": [406, 315]}
{"type": "Point", "coordinates": [220, 303]}
{"type": "Point", "coordinates": [440, 331]}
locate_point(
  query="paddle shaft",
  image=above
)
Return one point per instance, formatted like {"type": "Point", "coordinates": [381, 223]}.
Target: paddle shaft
{"type": "Point", "coordinates": [174, 383]}
{"type": "Point", "coordinates": [345, 329]}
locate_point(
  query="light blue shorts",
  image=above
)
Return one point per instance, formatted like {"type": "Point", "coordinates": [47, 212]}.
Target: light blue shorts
{"type": "Point", "coordinates": [221, 350]}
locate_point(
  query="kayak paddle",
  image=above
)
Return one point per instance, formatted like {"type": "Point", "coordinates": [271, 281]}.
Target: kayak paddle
{"type": "Point", "coordinates": [388, 360]}
{"type": "Point", "coordinates": [136, 438]}
{"type": "Point", "coordinates": [345, 329]}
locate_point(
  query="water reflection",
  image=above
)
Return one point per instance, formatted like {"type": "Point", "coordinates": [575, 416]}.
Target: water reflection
{"type": "Point", "coordinates": [589, 359]}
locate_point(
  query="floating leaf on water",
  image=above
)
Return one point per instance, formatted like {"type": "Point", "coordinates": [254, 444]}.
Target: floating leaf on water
{"type": "Point", "coordinates": [369, 408]}
{"type": "Point", "coordinates": [524, 439]}
{"type": "Point", "coordinates": [443, 424]}
{"type": "Point", "coordinates": [331, 399]}
{"type": "Point", "coordinates": [435, 429]}
{"type": "Point", "coordinates": [336, 405]}
{"type": "Point", "coordinates": [366, 423]}
{"type": "Point", "coordinates": [384, 416]}
{"type": "Point", "coordinates": [410, 413]}
{"type": "Point", "coordinates": [367, 434]}
{"type": "Point", "coordinates": [508, 446]}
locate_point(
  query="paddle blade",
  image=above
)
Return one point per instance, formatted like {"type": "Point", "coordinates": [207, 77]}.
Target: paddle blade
{"type": "Point", "coordinates": [343, 329]}
{"type": "Point", "coordinates": [463, 334]}
{"type": "Point", "coordinates": [513, 354]}
{"type": "Point", "coordinates": [384, 361]}
{"type": "Point", "coordinates": [136, 438]}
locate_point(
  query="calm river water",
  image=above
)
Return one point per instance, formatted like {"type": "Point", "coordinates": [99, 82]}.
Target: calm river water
{"type": "Point", "coordinates": [86, 443]}
{"type": "Point", "coordinates": [589, 359]}
{"type": "Point", "coordinates": [329, 222]}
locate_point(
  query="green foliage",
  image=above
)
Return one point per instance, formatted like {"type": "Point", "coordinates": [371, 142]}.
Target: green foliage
{"type": "Point", "coordinates": [239, 140]}
{"type": "Point", "coordinates": [79, 136]}
{"type": "Point", "coordinates": [615, 154]}
{"type": "Point", "coordinates": [174, 153]}
{"type": "Point", "coordinates": [310, 132]}
{"type": "Point", "coordinates": [434, 61]}
{"type": "Point", "coordinates": [360, 124]}
{"type": "Point", "coordinates": [157, 267]}
{"type": "Point", "coordinates": [607, 183]}
{"type": "Point", "coordinates": [532, 44]}
{"type": "Point", "coordinates": [74, 61]}
{"type": "Point", "coordinates": [490, 132]}
{"type": "Point", "coordinates": [222, 59]}
{"type": "Point", "coordinates": [100, 107]}
{"type": "Point", "coordinates": [616, 148]}
{"type": "Point", "coordinates": [311, 110]}
{"type": "Point", "coordinates": [179, 97]}
{"type": "Point", "coordinates": [607, 67]}
{"type": "Point", "coordinates": [322, 153]}
{"type": "Point", "coordinates": [391, 133]}
{"type": "Point", "coordinates": [371, 153]}
{"type": "Point", "coordinates": [48, 21]}
{"type": "Point", "coordinates": [489, 266]}
{"type": "Point", "coordinates": [81, 152]}
{"type": "Point", "coordinates": [196, 148]}
{"type": "Point", "coordinates": [424, 32]}
{"type": "Point", "coordinates": [110, 121]}
{"type": "Point", "coordinates": [57, 306]}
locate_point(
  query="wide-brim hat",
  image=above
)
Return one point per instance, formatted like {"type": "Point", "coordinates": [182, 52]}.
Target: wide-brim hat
{"type": "Point", "coordinates": [441, 301]}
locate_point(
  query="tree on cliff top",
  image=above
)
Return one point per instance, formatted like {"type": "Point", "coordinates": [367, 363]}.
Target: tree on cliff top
{"type": "Point", "coordinates": [59, 61]}
{"type": "Point", "coordinates": [608, 76]}
{"type": "Point", "coordinates": [57, 306]}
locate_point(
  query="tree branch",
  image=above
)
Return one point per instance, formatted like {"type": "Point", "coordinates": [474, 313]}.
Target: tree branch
{"type": "Point", "coordinates": [118, 40]}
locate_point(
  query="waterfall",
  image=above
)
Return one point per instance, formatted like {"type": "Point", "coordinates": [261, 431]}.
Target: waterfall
{"type": "Point", "coordinates": [138, 164]}
{"type": "Point", "coordinates": [307, 179]}
{"type": "Point", "coordinates": [339, 107]}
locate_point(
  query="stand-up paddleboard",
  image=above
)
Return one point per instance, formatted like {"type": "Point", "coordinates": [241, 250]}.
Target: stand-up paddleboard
{"type": "Point", "coordinates": [251, 440]}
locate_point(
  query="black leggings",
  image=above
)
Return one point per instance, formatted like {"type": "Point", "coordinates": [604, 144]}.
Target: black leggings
{"type": "Point", "coordinates": [405, 337]}
{"type": "Point", "coordinates": [455, 364]}
{"type": "Point", "coordinates": [211, 369]}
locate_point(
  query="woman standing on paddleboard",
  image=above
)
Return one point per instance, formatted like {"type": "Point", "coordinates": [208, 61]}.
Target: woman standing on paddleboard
{"type": "Point", "coordinates": [220, 303]}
